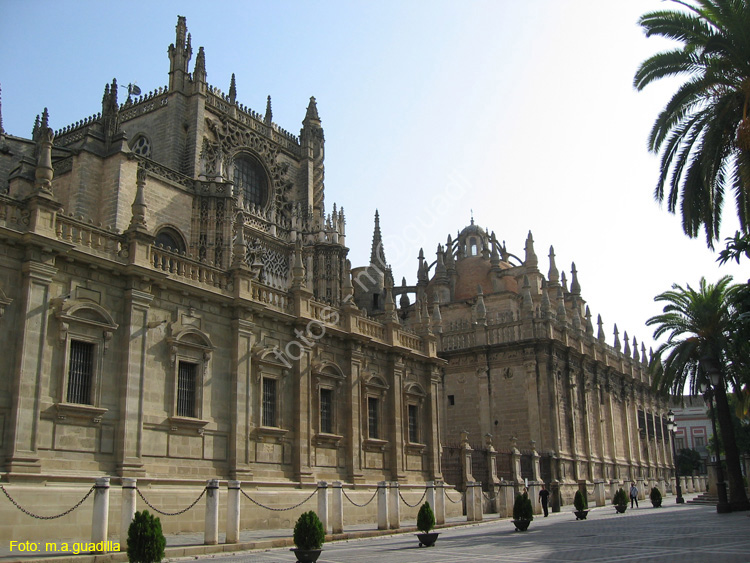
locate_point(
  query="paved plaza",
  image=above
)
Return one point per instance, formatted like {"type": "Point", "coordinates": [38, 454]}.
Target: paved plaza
{"type": "Point", "coordinates": [682, 533]}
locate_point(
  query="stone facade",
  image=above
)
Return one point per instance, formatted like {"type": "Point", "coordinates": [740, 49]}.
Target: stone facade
{"type": "Point", "coordinates": [176, 304]}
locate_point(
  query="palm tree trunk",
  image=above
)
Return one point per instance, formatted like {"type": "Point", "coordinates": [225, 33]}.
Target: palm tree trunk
{"type": "Point", "coordinates": [737, 494]}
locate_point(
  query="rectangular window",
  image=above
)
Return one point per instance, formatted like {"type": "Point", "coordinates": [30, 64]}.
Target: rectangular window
{"type": "Point", "coordinates": [650, 420]}
{"type": "Point", "coordinates": [699, 442]}
{"type": "Point", "coordinates": [679, 444]}
{"type": "Point", "coordinates": [269, 402]}
{"type": "Point", "coordinates": [326, 411]}
{"type": "Point", "coordinates": [451, 400]}
{"type": "Point", "coordinates": [413, 424]}
{"type": "Point", "coordinates": [80, 372]}
{"type": "Point", "coordinates": [187, 374]}
{"type": "Point", "coordinates": [372, 417]}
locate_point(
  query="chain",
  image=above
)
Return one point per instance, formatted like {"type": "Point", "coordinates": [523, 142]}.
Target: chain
{"type": "Point", "coordinates": [450, 499]}
{"type": "Point", "coordinates": [279, 509]}
{"type": "Point", "coordinates": [151, 506]}
{"type": "Point", "coordinates": [486, 496]}
{"type": "Point", "coordinates": [22, 509]}
{"type": "Point", "coordinates": [360, 505]}
{"type": "Point", "coordinates": [413, 505]}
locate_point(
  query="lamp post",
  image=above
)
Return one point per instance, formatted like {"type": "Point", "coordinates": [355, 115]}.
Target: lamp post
{"type": "Point", "coordinates": [672, 427]}
{"type": "Point", "coordinates": [714, 376]}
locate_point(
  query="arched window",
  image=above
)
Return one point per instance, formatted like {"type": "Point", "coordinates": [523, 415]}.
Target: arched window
{"type": "Point", "coordinates": [250, 180]}
{"type": "Point", "coordinates": [170, 239]}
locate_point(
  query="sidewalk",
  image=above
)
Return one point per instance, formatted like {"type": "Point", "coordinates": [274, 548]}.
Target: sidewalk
{"type": "Point", "coordinates": [191, 545]}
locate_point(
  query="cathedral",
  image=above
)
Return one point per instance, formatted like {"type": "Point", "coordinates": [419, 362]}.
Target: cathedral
{"type": "Point", "coordinates": [177, 304]}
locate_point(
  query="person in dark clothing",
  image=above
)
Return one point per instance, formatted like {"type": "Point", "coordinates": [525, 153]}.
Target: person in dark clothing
{"type": "Point", "coordinates": [544, 497]}
{"type": "Point", "coordinates": [633, 495]}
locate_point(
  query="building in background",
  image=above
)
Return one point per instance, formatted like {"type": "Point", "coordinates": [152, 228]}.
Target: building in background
{"type": "Point", "coordinates": [693, 427]}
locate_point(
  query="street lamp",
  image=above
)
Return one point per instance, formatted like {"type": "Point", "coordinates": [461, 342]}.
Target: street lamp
{"type": "Point", "coordinates": [714, 376]}
{"type": "Point", "coordinates": [672, 427]}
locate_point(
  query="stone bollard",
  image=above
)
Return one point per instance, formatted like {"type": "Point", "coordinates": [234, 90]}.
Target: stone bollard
{"type": "Point", "coordinates": [323, 504]}
{"type": "Point", "coordinates": [211, 532]}
{"type": "Point", "coordinates": [599, 499]}
{"type": "Point", "coordinates": [394, 512]}
{"type": "Point", "coordinates": [100, 514]}
{"type": "Point", "coordinates": [479, 501]}
{"type": "Point", "coordinates": [128, 508]}
{"type": "Point", "coordinates": [690, 484]}
{"type": "Point", "coordinates": [440, 503]}
{"type": "Point", "coordinates": [382, 505]}
{"type": "Point", "coordinates": [233, 512]}
{"type": "Point", "coordinates": [337, 508]}
{"type": "Point", "coordinates": [508, 497]}
{"type": "Point", "coordinates": [430, 496]}
{"type": "Point", "coordinates": [614, 486]}
{"type": "Point", "coordinates": [536, 505]}
{"type": "Point", "coordinates": [555, 500]}
{"type": "Point", "coordinates": [683, 484]}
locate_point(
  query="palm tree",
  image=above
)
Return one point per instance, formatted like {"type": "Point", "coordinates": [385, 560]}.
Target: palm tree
{"type": "Point", "coordinates": [703, 133]}
{"type": "Point", "coordinates": [699, 328]}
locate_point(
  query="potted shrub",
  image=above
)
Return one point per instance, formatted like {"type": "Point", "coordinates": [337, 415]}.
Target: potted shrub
{"type": "Point", "coordinates": [309, 536]}
{"type": "Point", "coordinates": [620, 501]}
{"type": "Point", "coordinates": [425, 523]}
{"type": "Point", "coordinates": [581, 506]}
{"type": "Point", "coordinates": [145, 539]}
{"type": "Point", "coordinates": [655, 497]}
{"type": "Point", "coordinates": [523, 514]}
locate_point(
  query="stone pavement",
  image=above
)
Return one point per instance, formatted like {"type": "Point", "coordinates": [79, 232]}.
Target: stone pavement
{"type": "Point", "coordinates": [684, 533]}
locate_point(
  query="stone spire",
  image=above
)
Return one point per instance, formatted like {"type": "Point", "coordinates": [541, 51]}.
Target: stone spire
{"type": "Point", "coordinates": [554, 275]}
{"type": "Point", "coordinates": [617, 344]}
{"type": "Point", "coordinates": [390, 306]}
{"type": "Point", "coordinates": [635, 349]}
{"type": "Point", "coordinates": [528, 303]}
{"type": "Point", "coordinates": [546, 305]}
{"type": "Point", "coordinates": [564, 281]}
{"type": "Point", "coordinates": [311, 116]}
{"type": "Point", "coordinates": [377, 252]}
{"type": "Point", "coordinates": [404, 299]}
{"type": "Point", "coordinates": [180, 53]}
{"type": "Point", "coordinates": [449, 260]}
{"type": "Point", "coordinates": [437, 318]}
{"type": "Point", "coordinates": [576, 315]}
{"type": "Point", "coordinates": [589, 326]}
{"type": "Point", "coordinates": [110, 110]}
{"type": "Point", "coordinates": [421, 272]}
{"type": "Point", "coordinates": [199, 73]}
{"type": "Point", "coordinates": [268, 118]}
{"type": "Point", "coordinates": [239, 248]}
{"type": "Point", "coordinates": [644, 360]}
{"type": "Point", "coordinates": [562, 314]}
{"type": "Point", "coordinates": [348, 289]}
{"type": "Point", "coordinates": [531, 259]}
{"type": "Point", "coordinates": [494, 255]}
{"type": "Point", "coordinates": [575, 287]}
{"type": "Point", "coordinates": [298, 268]}
{"type": "Point", "coordinates": [626, 351]}
{"type": "Point", "coordinates": [44, 171]}
{"type": "Point", "coordinates": [233, 90]}
{"type": "Point", "coordinates": [600, 334]}
{"type": "Point", "coordinates": [138, 218]}
{"type": "Point", "coordinates": [440, 272]}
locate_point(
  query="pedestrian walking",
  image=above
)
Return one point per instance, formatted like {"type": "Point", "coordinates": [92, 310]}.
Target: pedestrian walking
{"type": "Point", "coordinates": [633, 495]}
{"type": "Point", "coordinates": [544, 497]}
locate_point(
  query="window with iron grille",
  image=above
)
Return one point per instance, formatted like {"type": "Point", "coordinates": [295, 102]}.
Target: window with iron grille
{"type": "Point", "coordinates": [372, 417]}
{"type": "Point", "coordinates": [250, 180]}
{"type": "Point", "coordinates": [413, 424]}
{"type": "Point", "coordinates": [326, 411]}
{"type": "Point", "coordinates": [186, 378]}
{"type": "Point", "coordinates": [80, 372]}
{"type": "Point", "coordinates": [269, 402]}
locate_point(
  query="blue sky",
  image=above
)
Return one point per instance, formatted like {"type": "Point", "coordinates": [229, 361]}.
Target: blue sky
{"type": "Point", "coordinates": [523, 112]}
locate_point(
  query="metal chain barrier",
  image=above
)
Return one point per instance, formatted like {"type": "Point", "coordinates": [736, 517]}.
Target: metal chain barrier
{"type": "Point", "coordinates": [486, 496]}
{"type": "Point", "coordinates": [152, 507]}
{"type": "Point", "coordinates": [424, 494]}
{"type": "Point", "coordinates": [279, 509]}
{"type": "Point", "coordinates": [28, 513]}
{"type": "Point", "coordinates": [450, 499]}
{"type": "Point", "coordinates": [360, 505]}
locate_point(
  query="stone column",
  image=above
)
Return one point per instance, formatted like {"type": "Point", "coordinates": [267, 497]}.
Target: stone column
{"type": "Point", "coordinates": [515, 461]}
{"type": "Point", "coordinates": [211, 530]}
{"type": "Point", "coordinates": [683, 483]}
{"type": "Point", "coordinates": [507, 497]}
{"type": "Point", "coordinates": [233, 512]}
{"type": "Point", "coordinates": [394, 506]}
{"type": "Point", "coordinates": [241, 375]}
{"type": "Point", "coordinates": [430, 497]}
{"type": "Point", "coordinates": [534, 488]}
{"type": "Point", "coordinates": [337, 508]}
{"type": "Point", "coordinates": [100, 513]}
{"type": "Point", "coordinates": [440, 503]}
{"type": "Point", "coordinates": [127, 508]}
{"type": "Point", "coordinates": [323, 504]}
{"type": "Point", "coordinates": [599, 495]}
{"type": "Point", "coordinates": [395, 399]}
{"type": "Point", "coordinates": [466, 474]}
{"type": "Point", "coordinates": [555, 497]}
{"type": "Point", "coordinates": [433, 432]}
{"type": "Point", "coordinates": [383, 520]}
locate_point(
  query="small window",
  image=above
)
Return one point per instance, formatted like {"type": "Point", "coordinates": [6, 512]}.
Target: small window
{"type": "Point", "coordinates": [250, 180]}
{"type": "Point", "coordinates": [141, 146]}
{"type": "Point", "coordinates": [413, 424]}
{"type": "Point", "coordinates": [372, 418]}
{"type": "Point", "coordinates": [680, 444]}
{"type": "Point", "coordinates": [170, 239]}
{"type": "Point", "coordinates": [80, 372]}
{"type": "Point", "coordinates": [269, 402]}
{"type": "Point", "coordinates": [451, 400]}
{"type": "Point", "coordinates": [699, 442]}
{"type": "Point", "coordinates": [187, 375]}
{"type": "Point", "coordinates": [326, 411]}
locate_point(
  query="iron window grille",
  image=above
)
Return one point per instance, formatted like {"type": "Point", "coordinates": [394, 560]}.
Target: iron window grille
{"type": "Point", "coordinates": [413, 424]}
{"type": "Point", "coordinates": [187, 374]}
{"type": "Point", "coordinates": [269, 402]}
{"type": "Point", "coordinates": [326, 411]}
{"type": "Point", "coordinates": [80, 372]}
{"type": "Point", "coordinates": [372, 418]}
